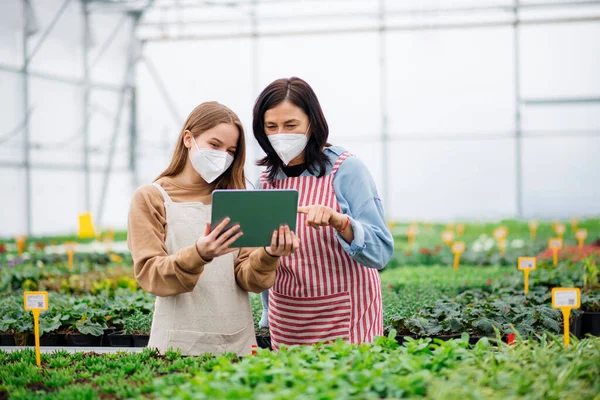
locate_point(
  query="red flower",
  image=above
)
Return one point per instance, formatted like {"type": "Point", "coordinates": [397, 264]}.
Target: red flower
{"type": "Point", "coordinates": [408, 252]}
{"type": "Point", "coordinates": [2, 248]}
{"type": "Point", "coordinates": [424, 251]}
{"type": "Point", "coordinates": [511, 338]}
{"type": "Point", "coordinates": [390, 287]}
{"type": "Point", "coordinates": [489, 281]}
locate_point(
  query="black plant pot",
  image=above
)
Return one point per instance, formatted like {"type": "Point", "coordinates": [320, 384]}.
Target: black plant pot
{"type": "Point", "coordinates": [590, 323]}
{"type": "Point", "coordinates": [575, 326]}
{"type": "Point", "coordinates": [118, 339]}
{"type": "Point", "coordinates": [52, 339]}
{"type": "Point", "coordinates": [140, 340]}
{"type": "Point", "coordinates": [263, 341]}
{"type": "Point", "coordinates": [7, 339]}
{"type": "Point", "coordinates": [105, 337]}
{"type": "Point", "coordinates": [77, 339]}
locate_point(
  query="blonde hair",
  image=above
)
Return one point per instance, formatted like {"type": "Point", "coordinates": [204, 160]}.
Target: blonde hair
{"type": "Point", "coordinates": [204, 117]}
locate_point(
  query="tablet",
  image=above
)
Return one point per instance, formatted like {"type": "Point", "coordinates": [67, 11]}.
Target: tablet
{"type": "Point", "coordinates": [258, 212]}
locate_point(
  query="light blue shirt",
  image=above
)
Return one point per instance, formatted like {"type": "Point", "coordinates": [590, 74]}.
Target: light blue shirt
{"type": "Point", "coordinates": [356, 193]}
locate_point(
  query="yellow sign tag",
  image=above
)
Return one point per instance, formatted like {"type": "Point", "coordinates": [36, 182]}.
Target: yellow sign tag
{"type": "Point", "coordinates": [411, 233]}
{"type": "Point", "coordinates": [70, 249]}
{"type": "Point", "coordinates": [36, 302]}
{"type": "Point", "coordinates": [460, 229]}
{"type": "Point", "coordinates": [21, 241]}
{"type": "Point", "coordinates": [86, 226]}
{"type": "Point", "coordinates": [526, 264]}
{"type": "Point", "coordinates": [581, 235]}
{"type": "Point", "coordinates": [458, 247]}
{"type": "Point", "coordinates": [555, 243]}
{"type": "Point", "coordinates": [560, 230]}
{"type": "Point", "coordinates": [574, 223]}
{"type": "Point", "coordinates": [566, 299]}
{"type": "Point", "coordinates": [500, 233]}
{"type": "Point", "coordinates": [448, 237]}
{"type": "Point", "coordinates": [533, 227]}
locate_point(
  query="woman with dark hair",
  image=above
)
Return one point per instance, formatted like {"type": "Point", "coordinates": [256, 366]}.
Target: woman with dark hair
{"type": "Point", "coordinates": [330, 287]}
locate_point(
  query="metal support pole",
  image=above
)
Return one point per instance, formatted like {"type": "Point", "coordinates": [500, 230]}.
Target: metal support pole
{"type": "Point", "coordinates": [163, 90]}
{"type": "Point", "coordinates": [86, 105]}
{"type": "Point", "coordinates": [384, 113]}
{"type": "Point", "coordinates": [26, 139]}
{"type": "Point", "coordinates": [133, 137]}
{"type": "Point", "coordinates": [133, 134]}
{"type": "Point", "coordinates": [518, 131]}
{"type": "Point", "coordinates": [46, 33]}
{"type": "Point", "coordinates": [255, 69]}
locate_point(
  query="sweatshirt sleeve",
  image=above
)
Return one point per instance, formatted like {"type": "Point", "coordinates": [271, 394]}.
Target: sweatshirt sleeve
{"type": "Point", "coordinates": [156, 271]}
{"type": "Point", "coordinates": [356, 193]}
{"type": "Point", "coordinates": [255, 269]}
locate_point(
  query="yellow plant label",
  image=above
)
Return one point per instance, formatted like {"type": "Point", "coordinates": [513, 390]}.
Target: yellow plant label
{"type": "Point", "coordinates": [458, 247]}
{"type": "Point", "coordinates": [566, 297]}
{"type": "Point", "coordinates": [581, 234]}
{"type": "Point", "coordinates": [527, 263]}
{"type": "Point", "coordinates": [555, 243]}
{"type": "Point", "coordinates": [35, 301]}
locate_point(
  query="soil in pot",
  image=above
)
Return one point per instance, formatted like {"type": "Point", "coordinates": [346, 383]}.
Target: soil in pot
{"type": "Point", "coordinates": [118, 339]}
{"type": "Point", "coordinates": [77, 339]}
{"type": "Point", "coordinates": [140, 340]}
{"type": "Point", "coordinates": [21, 339]}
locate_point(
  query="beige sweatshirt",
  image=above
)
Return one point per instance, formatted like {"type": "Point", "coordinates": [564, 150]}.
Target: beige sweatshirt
{"type": "Point", "coordinates": [165, 275]}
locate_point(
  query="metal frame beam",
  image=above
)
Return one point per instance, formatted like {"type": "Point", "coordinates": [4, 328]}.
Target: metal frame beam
{"type": "Point", "coordinates": [518, 132]}
{"type": "Point", "coordinates": [86, 105]}
{"type": "Point", "coordinates": [54, 167]}
{"type": "Point", "coordinates": [48, 29]}
{"type": "Point", "coordinates": [560, 100]}
{"type": "Point", "coordinates": [410, 12]}
{"type": "Point", "coordinates": [60, 79]}
{"type": "Point", "coordinates": [371, 29]}
{"type": "Point", "coordinates": [381, 39]}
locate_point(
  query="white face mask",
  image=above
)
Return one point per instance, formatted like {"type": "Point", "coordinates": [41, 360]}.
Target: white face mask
{"type": "Point", "coordinates": [210, 163]}
{"type": "Point", "coordinates": [288, 145]}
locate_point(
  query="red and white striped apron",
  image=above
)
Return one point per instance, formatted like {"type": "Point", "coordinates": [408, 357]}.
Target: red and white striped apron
{"type": "Point", "coordinates": [320, 292]}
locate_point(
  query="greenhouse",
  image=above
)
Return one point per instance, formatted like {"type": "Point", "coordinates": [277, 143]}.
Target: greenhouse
{"type": "Point", "coordinates": [300, 199]}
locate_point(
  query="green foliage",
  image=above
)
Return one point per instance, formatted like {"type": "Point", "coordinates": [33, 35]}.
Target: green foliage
{"type": "Point", "coordinates": [535, 369]}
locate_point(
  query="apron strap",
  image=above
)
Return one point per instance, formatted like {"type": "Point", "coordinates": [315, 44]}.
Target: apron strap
{"type": "Point", "coordinates": [163, 192]}
{"type": "Point", "coordinates": [339, 161]}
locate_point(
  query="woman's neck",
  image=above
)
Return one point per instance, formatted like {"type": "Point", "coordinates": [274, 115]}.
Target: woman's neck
{"type": "Point", "coordinates": [189, 176]}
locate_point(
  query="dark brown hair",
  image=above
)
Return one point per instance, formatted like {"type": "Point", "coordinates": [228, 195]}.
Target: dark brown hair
{"type": "Point", "coordinates": [204, 117]}
{"type": "Point", "coordinates": [300, 94]}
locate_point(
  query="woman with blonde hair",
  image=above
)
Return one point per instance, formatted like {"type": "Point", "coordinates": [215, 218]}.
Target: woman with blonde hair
{"type": "Point", "coordinates": [201, 283]}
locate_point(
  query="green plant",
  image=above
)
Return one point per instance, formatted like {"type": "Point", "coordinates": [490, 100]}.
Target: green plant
{"type": "Point", "coordinates": [138, 324]}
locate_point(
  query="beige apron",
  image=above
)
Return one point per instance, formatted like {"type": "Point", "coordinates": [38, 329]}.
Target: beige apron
{"type": "Point", "coordinates": [216, 316]}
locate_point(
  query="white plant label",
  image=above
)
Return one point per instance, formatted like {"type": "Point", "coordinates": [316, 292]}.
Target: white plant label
{"type": "Point", "coordinates": [564, 298]}
{"type": "Point", "coordinates": [36, 302]}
